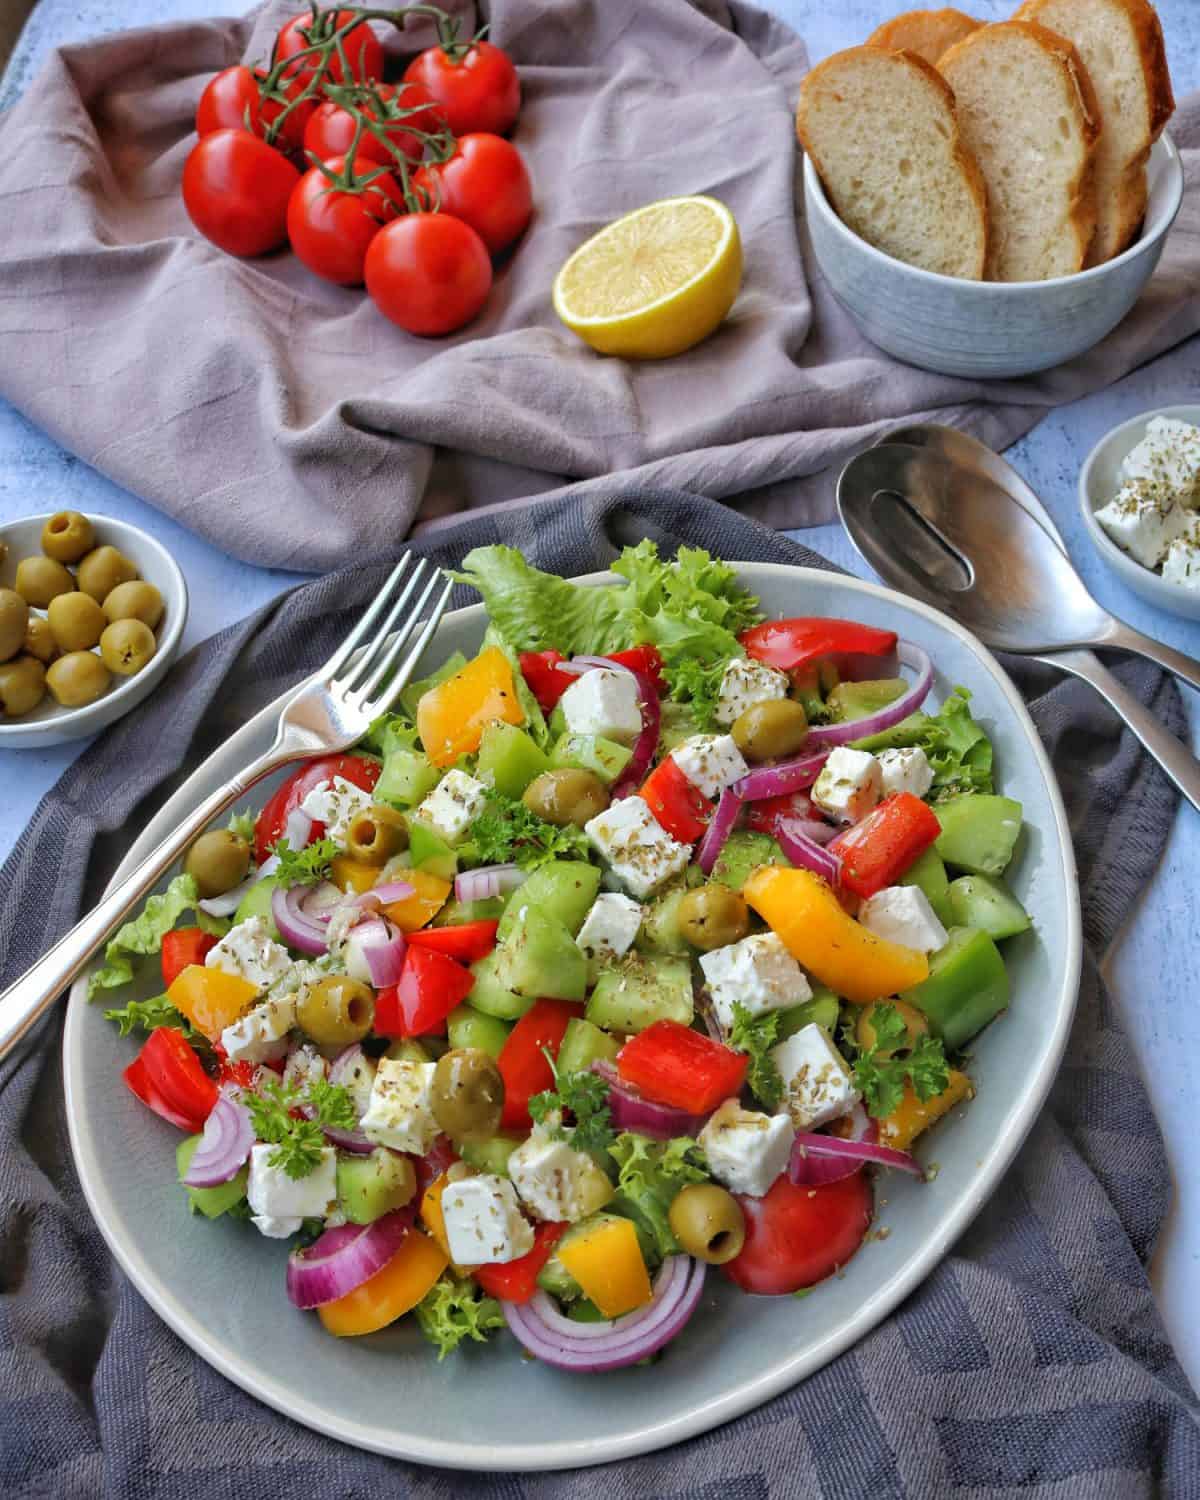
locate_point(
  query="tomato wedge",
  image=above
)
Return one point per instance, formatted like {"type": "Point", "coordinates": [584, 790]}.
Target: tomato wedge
{"type": "Point", "coordinates": [542, 677]}
{"type": "Point", "coordinates": [522, 1061]}
{"type": "Point", "coordinates": [681, 808]}
{"type": "Point", "coordinates": [430, 986]}
{"type": "Point", "coordinates": [466, 942]}
{"type": "Point", "coordinates": [516, 1280]}
{"type": "Point", "coordinates": [797, 1236]}
{"type": "Point", "coordinates": [789, 644]}
{"type": "Point", "coordinates": [183, 947]}
{"type": "Point", "coordinates": [269, 826]}
{"type": "Point", "coordinates": [167, 1077]}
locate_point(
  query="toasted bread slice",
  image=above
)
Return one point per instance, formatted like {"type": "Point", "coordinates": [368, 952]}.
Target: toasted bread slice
{"type": "Point", "coordinates": [1121, 44]}
{"type": "Point", "coordinates": [928, 33]}
{"type": "Point", "coordinates": [881, 130]}
{"type": "Point", "coordinates": [1028, 112]}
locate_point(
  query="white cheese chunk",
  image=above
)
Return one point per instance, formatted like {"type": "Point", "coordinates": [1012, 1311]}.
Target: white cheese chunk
{"type": "Point", "coordinates": [262, 1035]}
{"type": "Point", "coordinates": [637, 849]}
{"type": "Point", "coordinates": [611, 925]}
{"type": "Point", "coordinates": [817, 1083]}
{"type": "Point", "coordinates": [400, 1111]}
{"type": "Point", "coordinates": [453, 806]}
{"type": "Point", "coordinates": [1143, 520]}
{"type": "Point", "coordinates": [746, 1150]}
{"type": "Point", "coordinates": [902, 914]}
{"type": "Point", "coordinates": [272, 1194]}
{"type": "Point", "coordinates": [557, 1182]}
{"type": "Point", "coordinates": [604, 702]}
{"type": "Point", "coordinates": [745, 683]}
{"type": "Point", "coordinates": [849, 785]}
{"type": "Point", "coordinates": [1182, 564]}
{"type": "Point", "coordinates": [276, 1228]}
{"type": "Point", "coordinates": [905, 770]}
{"type": "Point", "coordinates": [336, 803]}
{"type": "Point", "coordinates": [1169, 457]}
{"type": "Point", "coordinates": [484, 1223]}
{"type": "Point", "coordinates": [758, 973]}
{"type": "Point", "coordinates": [711, 762]}
{"type": "Point", "coordinates": [247, 951]}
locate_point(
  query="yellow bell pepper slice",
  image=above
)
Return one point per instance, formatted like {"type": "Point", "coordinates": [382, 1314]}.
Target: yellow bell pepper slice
{"type": "Point", "coordinates": [211, 999]}
{"type": "Point", "coordinates": [606, 1261]}
{"type": "Point", "coordinates": [434, 1220]}
{"type": "Point", "coordinates": [395, 1289]}
{"type": "Point", "coordinates": [452, 716]}
{"type": "Point", "coordinates": [352, 874]}
{"type": "Point", "coordinates": [428, 897]}
{"type": "Point", "coordinates": [912, 1115]}
{"type": "Point", "coordinates": [822, 936]}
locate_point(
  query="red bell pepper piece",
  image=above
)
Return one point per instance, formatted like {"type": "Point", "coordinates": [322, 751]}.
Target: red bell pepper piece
{"type": "Point", "coordinates": [681, 808]}
{"type": "Point", "coordinates": [522, 1062]}
{"type": "Point", "coordinates": [516, 1280]}
{"type": "Point", "coordinates": [167, 1077]}
{"type": "Point", "coordinates": [877, 851]}
{"type": "Point", "coordinates": [239, 1074]}
{"type": "Point", "coordinates": [542, 677]}
{"type": "Point", "coordinates": [789, 644]}
{"type": "Point", "coordinates": [466, 942]}
{"type": "Point", "coordinates": [645, 659]}
{"type": "Point", "coordinates": [429, 987]}
{"type": "Point", "coordinates": [269, 826]}
{"type": "Point", "coordinates": [183, 947]}
{"type": "Point", "coordinates": [672, 1064]}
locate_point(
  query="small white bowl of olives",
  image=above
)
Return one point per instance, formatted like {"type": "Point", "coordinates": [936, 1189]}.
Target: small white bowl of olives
{"type": "Point", "coordinates": [92, 611]}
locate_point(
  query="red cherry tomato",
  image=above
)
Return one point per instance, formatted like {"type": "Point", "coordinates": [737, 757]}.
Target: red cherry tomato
{"type": "Point", "coordinates": [233, 101]}
{"type": "Point", "coordinates": [236, 190]}
{"type": "Point", "coordinates": [269, 825]}
{"type": "Point", "coordinates": [485, 184]}
{"type": "Point", "coordinates": [330, 131]}
{"type": "Point", "coordinates": [330, 229]}
{"type": "Point", "coordinates": [167, 1077]}
{"type": "Point", "coordinates": [429, 273]}
{"type": "Point", "coordinates": [479, 90]}
{"type": "Point", "coordinates": [797, 1236]}
{"type": "Point", "coordinates": [183, 947]}
{"type": "Point", "coordinates": [430, 986]}
{"type": "Point", "coordinates": [363, 49]}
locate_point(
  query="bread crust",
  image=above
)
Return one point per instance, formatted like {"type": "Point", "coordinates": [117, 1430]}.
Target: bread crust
{"type": "Point", "coordinates": [927, 33]}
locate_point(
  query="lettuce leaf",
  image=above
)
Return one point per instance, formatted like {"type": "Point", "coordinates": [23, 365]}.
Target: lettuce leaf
{"type": "Point", "coordinates": [649, 1174]}
{"type": "Point", "coordinates": [144, 934]}
{"type": "Point", "coordinates": [958, 749]}
{"type": "Point", "coordinates": [453, 1310]}
{"type": "Point", "coordinates": [535, 720]}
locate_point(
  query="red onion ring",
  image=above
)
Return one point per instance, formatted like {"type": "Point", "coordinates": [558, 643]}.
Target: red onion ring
{"type": "Point", "coordinates": [718, 830]}
{"type": "Point", "coordinates": [296, 927]}
{"type": "Point", "coordinates": [912, 656]}
{"type": "Point", "coordinates": [819, 1159]}
{"type": "Point", "coordinates": [320, 901]}
{"type": "Point", "coordinates": [225, 1144]}
{"type": "Point", "coordinates": [377, 947]}
{"type": "Point", "coordinates": [647, 742]}
{"type": "Point", "coordinates": [385, 894]}
{"type": "Point", "coordinates": [631, 1110]}
{"type": "Point", "coordinates": [345, 1257]}
{"type": "Point", "coordinates": [782, 778]}
{"type": "Point", "coordinates": [488, 881]}
{"type": "Point", "coordinates": [807, 854]}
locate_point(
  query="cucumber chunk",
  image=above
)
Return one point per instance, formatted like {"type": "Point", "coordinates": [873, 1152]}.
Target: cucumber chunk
{"type": "Point", "coordinates": [212, 1202]}
{"type": "Point", "coordinates": [660, 925]}
{"type": "Point", "coordinates": [823, 1009]}
{"type": "Point", "coordinates": [370, 1186]}
{"type": "Point", "coordinates": [406, 778]}
{"type": "Point", "coordinates": [591, 752]}
{"type": "Point", "coordinates": [564, 889]}
{"type": "Point", "coordinates": [430, 852]}
{"type": "Point", "coordinates": [493, 997]}
{"type": "Point", "coordinates": [540, 958]}
{"type": "Point", "coordinates": [743, 853]}
{"type": "Point", "coordinates": [257, 903]}
{"type": "Point", "coordinates": [928, 874]}
{"type": "Point", "coordinates": [978, 833]}
{"type": "Point", "coordinates": [967, 987]}
{"type": "Point", "coordinates": [490, 1155]}
{"type": "Point", "coordinates": [509, 759]}
{"type": "Point", "coordinates": [979, 901]}
{"type": "Point", "coordinates": [467, 1026]}
{"type": "Point", "coordinates": [584, 1043]}
{"type": "Point", "coordinates": [634, 994]}
{"type": "Point", "coordinates": [459, 913]}
{"type": "Point", "coordinates": [855, 700]}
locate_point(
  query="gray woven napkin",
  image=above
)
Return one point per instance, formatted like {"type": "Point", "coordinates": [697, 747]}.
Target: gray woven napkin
{"type": "Point", "coordinates": [1032, 1361]}
{"type": "Point", "coordinates": [285, 420]}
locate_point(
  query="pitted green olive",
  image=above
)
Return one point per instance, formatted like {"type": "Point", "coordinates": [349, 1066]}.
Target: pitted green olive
{"type": "Point", "coordinates": [102, 570]}
{"type": "Point", "coordinates": [336, 1010]}
{"type": "Point", "coordinates": [376, 833]}
{"type": "Point", "coordinates": [772, 730]}
{"type": "Point", "coordinates": [713, 916]}
{"type": "Point", "coordinates": [14, 621]}
{"type": "Point", "coordinates": [566, 797]}
{"type": "Point", "coordinates": [40, 579]}
{"type": "Point", "coordinates": [22, 685]}
{"type": "Point", "coordinates": [67, 536]}
{"type": "Point", "coordinates": [126, 646]}
{"type": "Point", "coordinates": [77, 679]}
{"type": "Point", "coordinates": [217, 861]}
{"type": "Point", "coordinates": [708, 1223]}
{"type": "Point", "coordinates": [468, 1094]}
{"type": "Point", "coordinates": [76, 621]}
{"type": "Point", "coordinates": [39, 640]}
{"type": "Point", "coordinates": [135, 600]}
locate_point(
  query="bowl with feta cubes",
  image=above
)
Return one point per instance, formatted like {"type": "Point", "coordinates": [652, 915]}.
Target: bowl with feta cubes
{"type": "Point", "coordinates": [688, 938]}
{"type": "Point", "coordinates": [1139, 492]}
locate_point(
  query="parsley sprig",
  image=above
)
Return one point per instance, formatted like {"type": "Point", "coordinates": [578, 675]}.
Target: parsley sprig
{"type": "Point", "coordinates": [506, 832]}
{"type": "Point", "coordinates": [298, 1138]}
{"type": "Point", "coordinates": [756, 1035]}
{"type": "Point", "coordinates": [304, 866]}
{"type": "Point", "coordinates": [880, 1070]}
{"type": "Point", "coordinates": [583, 1095]}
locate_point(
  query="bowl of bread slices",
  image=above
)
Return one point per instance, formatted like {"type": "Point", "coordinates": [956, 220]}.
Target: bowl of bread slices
{"type": "Point", "coordinates": [991, 200]}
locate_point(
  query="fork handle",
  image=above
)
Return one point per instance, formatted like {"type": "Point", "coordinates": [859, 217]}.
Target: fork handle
{"type": "Point", "coordinates": [24, 1002]}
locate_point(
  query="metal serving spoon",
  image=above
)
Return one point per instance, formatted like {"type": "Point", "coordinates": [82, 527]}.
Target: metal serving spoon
{"type": "Point", "coordinates": [940, 516]}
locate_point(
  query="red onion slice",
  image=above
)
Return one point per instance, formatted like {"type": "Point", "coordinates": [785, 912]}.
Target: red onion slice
{"type": "Point", "coordinates": [718, 831]}
{"type": "Point", "coordinates": [488, 881]}
{"type": "Point", "coordinates": [320, 901]}
{"type": "Point", "coordinates": [647, 742]}
{"type": "Point", "coordinates": [344, 1258]}
{"type": "Point", "coordinates": [782, 778]}
{"type": "Point", "coordinates": [380, 948]}
{"type": "Point", "coordinates": [912, 656]}
{"type": "Point", "coordinates": [631, 1110]}
{"type": "Point", "coordinates": [296, 927]}
{"type": "Point", "coordinates": [807, 854]}
{"type": "Point", "coordinates": [818, 1159]}
{"type": "Point", "coordinates": [226, 905]}
{"type": "Point", "coordinates": [385, 894]}
{"type": "Point", "coordinates": [225, 1144]}
{"type": "Point", "coordinates": [816, 829]}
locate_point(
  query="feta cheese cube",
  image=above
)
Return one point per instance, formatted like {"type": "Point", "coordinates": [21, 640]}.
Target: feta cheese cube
{"type": "Point", "coordinates": [247, 951]}
{"type": "Point", "coordinates": [905, 770]}
{"type": "Point", "coordinates": [400, 1111]}
{"type": "Point", "coordinates": [611, 926]}
{"type": "Point", "coordinates": [711, 762]}
{"type": "Point", "coordinates": [274, 1196]}
{"type": "Point", "coordinates": [849, 785]}
{"type": "Point", "coordinates": [453, 806]}
{"type": "Point", "coordinates": [817, 1083]}
{"type": "Point", "coordinates": [305, 1067]}
{"type": "Point", "coordinates": [1143, 520]}
{"type": "Point", "coordinates": [745, 683]}
{"type": "Point", "coordinates": [638, 850]}
{"type": "Point", "coordinates": [604, 702]}
{"type": "Point", "coordinates": [1169, 457]}
{"type": "Point", "coordinates": [276, 1228]}
{"type": "Point", "coordinates": [758, 973]}
{"type": "Point", "coordinates": [262, 1035]}
{"type": "Point", "coordinates": [1182, 563]}
{"type": "Point", "coordinates": [746, 1151]}
{"type": "Point", "coordinates": [557, 1182]}
{"type": "Point", "coordinates": [484, 1223]}
{"type": "Point", "coordinates": [336, 803]}
{"type": "Point", "coordinates": [902, 914]}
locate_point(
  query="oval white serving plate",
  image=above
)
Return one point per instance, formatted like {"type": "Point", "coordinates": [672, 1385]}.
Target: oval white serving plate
{"type": "Point", "coordinates": [221, 1287]}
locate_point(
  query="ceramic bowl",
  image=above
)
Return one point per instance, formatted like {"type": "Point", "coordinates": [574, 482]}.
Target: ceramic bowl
{"type": "Point", "coordinates": [1099, 481]}
{"type": "Point", "coordinates": [49, 724]}
{"type": "Point", "coordinates": [988, 329]}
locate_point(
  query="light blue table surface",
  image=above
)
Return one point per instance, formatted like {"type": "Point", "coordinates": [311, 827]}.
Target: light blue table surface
{"type": "Point", "coordinates": [1153, 967]}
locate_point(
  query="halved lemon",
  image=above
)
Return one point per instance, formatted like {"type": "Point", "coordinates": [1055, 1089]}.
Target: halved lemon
{"type": "Point", "coordinates": [655, 282]}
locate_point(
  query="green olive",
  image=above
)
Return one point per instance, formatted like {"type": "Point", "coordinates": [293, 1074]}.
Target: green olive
{"type": "Point", "coordinates": [77, 679]}
{"type": "Point", "coordinates": [468, 1094]}
{"type": "Point", "coordinates": [915, 1024]}
{"type": "Point", "coordinates": [40, 579]}
{"type": "Point", "coordinates": [39, 640]}
{"type": "Point", "coordinates": [14, 621]}
{"type": "Point", "coordinates": [22, 685]}
{"type": "Point", "coordinates": [102, 570]}
{"type": "Point", "coordinates": [337, 1010]}
{"type": "Point", "coordinates": [67, 536]}
{"type": "Point", "coordinates": [217, 861]}
{"type": "Point", "coordinates": [772, 730]}
{"type": "Point", "coordinates": [376, 833]}
{"type": "Point", "coordinates": [126, 646]}
{"type": "Point", "coordinates": [76, 621]}
{"type": "Point", "coordinates": [708, 1223]}
{"type": "Point", "coordinates": [565, 797]}
{"type": "Point", "coordinates": [713, 916]}
{"type": "Point", "coordinates": [135, 600]}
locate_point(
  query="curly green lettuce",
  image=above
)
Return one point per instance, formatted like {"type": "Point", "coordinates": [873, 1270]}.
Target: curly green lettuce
{"type": "Point", "coordinates": [649, 1174]}
{"type": "Point", "coordinates": [455, 1309]}
{"type": "Point", "coordinates": [144, 934]}
{"type": "Point", "coordinates": [958, 749]}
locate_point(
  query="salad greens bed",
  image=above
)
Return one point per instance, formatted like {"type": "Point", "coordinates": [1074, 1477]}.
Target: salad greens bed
{"type": "Point", "coordinates": [629, 947]}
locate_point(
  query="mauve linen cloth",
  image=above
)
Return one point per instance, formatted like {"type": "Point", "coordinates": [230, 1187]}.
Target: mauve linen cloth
{"type": "Point", "coordinates": [1032, 1362]}
{"type": "Point", "coordinates": [286, 421]}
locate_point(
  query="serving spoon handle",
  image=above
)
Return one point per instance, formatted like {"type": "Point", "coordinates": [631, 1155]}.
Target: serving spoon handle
{"type": "Point", "coordinates": [1121, 637]}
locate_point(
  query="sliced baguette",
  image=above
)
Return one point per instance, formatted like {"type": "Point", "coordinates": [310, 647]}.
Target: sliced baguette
{"type": "Point", "coordinates": [1121, 44]}
{"type": "Point", "coordinates": [1028, 112]}
{"type": "Point", "coordinates": [881, 130]}
{"type": "Point", "coordinates": [928, 33]}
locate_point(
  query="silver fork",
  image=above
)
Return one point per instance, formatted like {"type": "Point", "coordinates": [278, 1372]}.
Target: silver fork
{"type": "Point", "coordinates": [327, 712]}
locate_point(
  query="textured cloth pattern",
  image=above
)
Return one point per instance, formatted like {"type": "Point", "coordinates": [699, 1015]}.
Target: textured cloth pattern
{"type": "Point", "coordinates": [287, 421]}
{"type": "Point", "coordinates": [1032, 1362]}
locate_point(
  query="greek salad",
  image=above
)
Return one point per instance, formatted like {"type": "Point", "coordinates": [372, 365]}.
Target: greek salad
{"type": "Point", "coordinates": [630, 947]}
